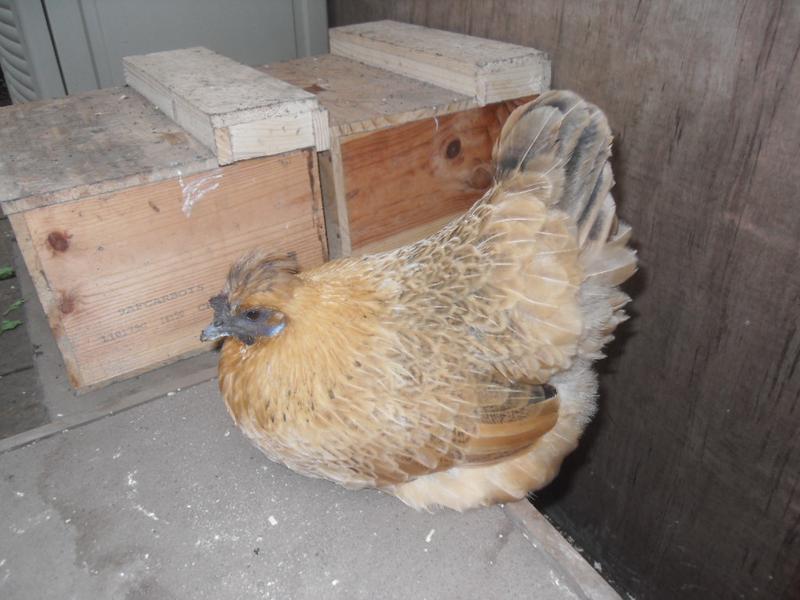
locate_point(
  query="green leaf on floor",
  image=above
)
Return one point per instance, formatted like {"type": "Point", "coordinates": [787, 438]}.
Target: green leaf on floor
{"type": "Point", "coordinates": [6, 272]}
{"type": "Point", "coordinates": [14, 306]}
{"type": "Point", "coordinates": [8, 325]}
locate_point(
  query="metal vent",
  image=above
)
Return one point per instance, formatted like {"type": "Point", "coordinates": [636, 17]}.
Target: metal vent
{"type": "Point", "coordinates": [14, 58]}
{"type": "Point", "coordinates": [27, 55]}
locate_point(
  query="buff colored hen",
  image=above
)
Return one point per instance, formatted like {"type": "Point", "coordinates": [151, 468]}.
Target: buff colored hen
{"type": "Point", "coordinates": [455, 371]}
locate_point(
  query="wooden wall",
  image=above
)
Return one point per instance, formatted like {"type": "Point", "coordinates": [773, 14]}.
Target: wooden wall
{"type": "Point", "coordinates": [686, 486]}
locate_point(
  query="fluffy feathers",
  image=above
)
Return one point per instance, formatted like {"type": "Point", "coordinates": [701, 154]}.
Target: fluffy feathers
{"type": "Point", "coordinates": [455, 371]}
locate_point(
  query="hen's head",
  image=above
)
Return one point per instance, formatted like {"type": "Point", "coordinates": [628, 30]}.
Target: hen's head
{"type": "Point", "coordinates": [251, 307]}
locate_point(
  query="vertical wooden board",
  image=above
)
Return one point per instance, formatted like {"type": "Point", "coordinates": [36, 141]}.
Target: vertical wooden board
{"type": "Point", "coordinates": [331, 182]}
{"type": "Point", "coordinates": [33, 263]}
{"type": "Point", "coordinates": [686, 485]}
{"type": "Point", "coordinates": [128, 274]}
{"type": "Point", "coordinates": [405, 177]}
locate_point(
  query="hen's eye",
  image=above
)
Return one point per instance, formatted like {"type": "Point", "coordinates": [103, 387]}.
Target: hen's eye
{"type": "Point", "coordinates": [253, 315]}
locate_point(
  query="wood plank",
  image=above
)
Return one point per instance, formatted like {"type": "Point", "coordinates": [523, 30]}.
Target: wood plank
{"type": "Point", "coordinates": [235, 110]}
{"type": "Point", "coordinates": [406, 236]}
{"type": "Point", "coordinates": [543, 536]}
{"type": "Point", "coordinates": [334, 201]}
{"type": "Point", "coordinates": [686, 486]}
{"type": "Point", "coordinates": [361, 98]}
{"type": "Point", "coordinates": [125, 277]}
{"type": "Point", "coordinates": [88, 144]}
{"type": "Point", "coordinates": [46, 296]}
{"type": "Point", "coordinates": [414, 174]}
{"type": "Point", "coordinates": [487, 70]}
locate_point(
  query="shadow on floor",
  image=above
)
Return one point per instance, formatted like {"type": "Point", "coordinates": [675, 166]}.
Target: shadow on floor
{"type": "Point", "coordinates": [21, 400]}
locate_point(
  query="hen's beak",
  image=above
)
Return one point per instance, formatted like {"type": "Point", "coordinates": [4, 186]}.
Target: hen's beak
{"type": "Point", "coordinates": [213, 332]}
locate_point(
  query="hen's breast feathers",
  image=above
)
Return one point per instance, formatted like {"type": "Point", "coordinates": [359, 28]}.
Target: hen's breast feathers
{"type": "Point", "coordinates": [441, 355]}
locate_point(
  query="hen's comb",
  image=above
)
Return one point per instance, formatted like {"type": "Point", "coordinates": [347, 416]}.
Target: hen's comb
{"type": "Point", "coordinates": [220, 305]}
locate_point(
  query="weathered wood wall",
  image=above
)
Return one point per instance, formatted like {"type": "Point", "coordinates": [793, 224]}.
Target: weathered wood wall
{"type": "Point", "coordinates": [686, 485]}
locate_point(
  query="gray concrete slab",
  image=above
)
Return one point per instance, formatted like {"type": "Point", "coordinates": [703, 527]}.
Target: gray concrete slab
{"type": "Point", "coordinates": [168, 500]}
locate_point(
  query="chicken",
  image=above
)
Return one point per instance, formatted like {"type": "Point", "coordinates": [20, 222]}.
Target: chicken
{"type": "Point", "coordinates": [455, 371]}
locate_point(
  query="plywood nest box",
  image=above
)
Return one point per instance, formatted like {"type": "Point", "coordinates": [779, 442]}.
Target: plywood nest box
{"type": "Point", "coordinates": [131, 203]}
{"type": "Point", "coordinates": [128, 223]}
{"type": "Point", "coordinates": [413, 115]}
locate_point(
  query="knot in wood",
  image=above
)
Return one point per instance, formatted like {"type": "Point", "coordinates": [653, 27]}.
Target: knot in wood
{"type": "Point", "coordinates": [58, 241]}
{"type": "Point", "coordinates": [67, 303]}
{"type": "Point", "coordinates": [453, 149]}
{"type": "Point", "coordinates": [481, 178]}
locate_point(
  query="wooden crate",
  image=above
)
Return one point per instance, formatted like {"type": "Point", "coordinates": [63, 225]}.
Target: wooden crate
{"type": "Point", "coordinates": [406, 156]}
{"type": "Point", "coordinates": [129, 216]}
{"type": "Point", "coordinates": [128, 224]}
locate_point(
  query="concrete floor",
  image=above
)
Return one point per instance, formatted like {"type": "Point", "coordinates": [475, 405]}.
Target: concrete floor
{"type": "Point", "coordinates": [21, 407]}
{"type": "Point", "coordinates": [145, 490]}
{"type": "Point", "coordinates": [168, 500]}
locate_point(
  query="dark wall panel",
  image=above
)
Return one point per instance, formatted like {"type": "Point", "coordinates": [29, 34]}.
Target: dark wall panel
{"type": "Point", "coordinates": [686, 486]}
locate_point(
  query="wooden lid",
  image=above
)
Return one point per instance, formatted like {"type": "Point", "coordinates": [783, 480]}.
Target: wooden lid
{"type": "Point", "coordinates": [237, 111]}
{"type": "Point", "coordinates": [102, 141]}
{"type": "Point", "coordinates": [362, 98]}
{"type": "Point", "coordinates": [486, 70]}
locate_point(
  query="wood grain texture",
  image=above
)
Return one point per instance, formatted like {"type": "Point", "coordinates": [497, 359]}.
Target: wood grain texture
{"type": "Point", "coordinates": [483, 69]}
{"type": "Point", "coordinates": [237, 111]}
{"type": "Point", "coordinates": [88, 144]}
{"type": "Point", "coordinates": [334, 201]}
{"type": "Point", "coordinates": [361, 98]}
{"type": "Point", "coordinates": [687, 484]}
{"type": "Point", "coordinates": [405, 177]}
{"type": "Point", "coordinates": [125, 277]}
{"type": "Point", "coordinates": [406, 236]}
{"type": "Point", "coordinates": [409, 119]}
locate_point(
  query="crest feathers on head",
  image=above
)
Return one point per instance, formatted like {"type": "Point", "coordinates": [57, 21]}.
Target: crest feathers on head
{"type": "Point", "coordinates": [259, 271]}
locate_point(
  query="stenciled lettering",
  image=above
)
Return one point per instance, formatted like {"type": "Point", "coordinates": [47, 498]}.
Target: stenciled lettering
{"type": "Point", "coordinates": [171, 297]}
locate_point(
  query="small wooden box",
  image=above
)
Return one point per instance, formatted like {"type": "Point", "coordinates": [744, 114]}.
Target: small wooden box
{"type": "Point", "coordinates": [128, 224]}
{"type": "Point", "coordinates": [129, 216]}
{"type": "Point", "coordinates": [413, 116]}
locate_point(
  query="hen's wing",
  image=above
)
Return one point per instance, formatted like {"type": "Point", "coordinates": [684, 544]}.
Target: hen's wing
{"type": "Point", "coordinates": [524, 283]}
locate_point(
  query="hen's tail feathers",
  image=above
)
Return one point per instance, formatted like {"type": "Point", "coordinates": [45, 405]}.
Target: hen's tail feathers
{"type": "Point", "coordinates": [558, 147]}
